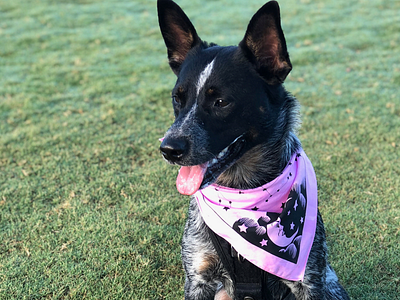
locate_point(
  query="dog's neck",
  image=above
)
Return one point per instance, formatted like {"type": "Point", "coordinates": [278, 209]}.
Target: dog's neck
{"type": "Point", "coordinates": [260, 165]}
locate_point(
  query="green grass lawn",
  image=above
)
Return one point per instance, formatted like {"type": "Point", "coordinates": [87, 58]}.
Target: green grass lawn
{"type": "Point", "coordinates": [88, 208]}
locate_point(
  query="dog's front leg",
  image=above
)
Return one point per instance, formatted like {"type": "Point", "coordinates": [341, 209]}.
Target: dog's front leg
{"type": "Point", "coordinates": [203, 268]}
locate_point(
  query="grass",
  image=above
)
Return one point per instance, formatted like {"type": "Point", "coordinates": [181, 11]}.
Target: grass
{"type": "Point", "coordinates": [88, 209]}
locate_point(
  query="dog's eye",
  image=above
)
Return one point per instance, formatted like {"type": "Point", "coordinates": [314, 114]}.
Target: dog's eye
{"type": "Point", "coordinates": [176, 100]}
{"type": "Point", "coordinates": [221, 103]}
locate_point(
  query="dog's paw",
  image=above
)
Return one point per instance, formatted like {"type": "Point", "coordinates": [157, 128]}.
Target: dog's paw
{"type": "Point", "coordinates": [222, 295]}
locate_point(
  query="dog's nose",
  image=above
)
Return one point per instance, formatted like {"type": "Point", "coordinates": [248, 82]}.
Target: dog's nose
{"type": "Point", "coordinates": [173, 149]}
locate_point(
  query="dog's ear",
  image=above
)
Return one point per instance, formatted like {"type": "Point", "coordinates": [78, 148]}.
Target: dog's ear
{"type": "Point", "coordinates": [178, 32]}
{"type": "Point", "coordinates": [265, 46]}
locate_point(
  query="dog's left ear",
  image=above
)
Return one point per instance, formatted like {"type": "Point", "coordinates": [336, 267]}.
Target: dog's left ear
{"type": "Point", "coordinates": [265, 46]}
{"type": "Point", "coordinates": [178, 32]}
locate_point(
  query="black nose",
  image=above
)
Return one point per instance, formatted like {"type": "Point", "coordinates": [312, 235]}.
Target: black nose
{"type": "Point", "coordinates": [174, 149]}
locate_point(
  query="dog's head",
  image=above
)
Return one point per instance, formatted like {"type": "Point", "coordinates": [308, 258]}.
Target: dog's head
{"type": "Point", "coordinates": [227, 100]}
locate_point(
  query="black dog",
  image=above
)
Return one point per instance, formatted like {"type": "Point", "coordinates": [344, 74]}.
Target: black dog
{"type": "Point", "coordinates": [235, 127]}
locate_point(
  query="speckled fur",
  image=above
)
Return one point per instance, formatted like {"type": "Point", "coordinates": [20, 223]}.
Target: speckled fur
{"type": "Point", "coordinates": [262, 113]}
{"type": "Point", "coordinates": [205, 283]}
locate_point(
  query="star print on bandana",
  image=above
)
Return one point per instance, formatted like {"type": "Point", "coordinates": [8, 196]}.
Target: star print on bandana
{"type": "Point", "coordinates": [272, 226]}
{"type": "Point", "coordinates": [284, 230]}
{"type": "Point", "coordinates": [243, 228]}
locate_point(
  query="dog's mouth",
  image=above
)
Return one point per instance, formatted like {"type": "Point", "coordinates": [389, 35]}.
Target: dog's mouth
{"type": "Point", "coordinates": [192, 178]}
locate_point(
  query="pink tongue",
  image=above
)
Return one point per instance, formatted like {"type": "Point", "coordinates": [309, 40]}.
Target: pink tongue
{"type": "Point", "coordinates": [189, 179]}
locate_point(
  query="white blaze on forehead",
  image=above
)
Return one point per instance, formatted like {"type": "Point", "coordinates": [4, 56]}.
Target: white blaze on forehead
{"type": "Point", "coordinates": [204, 76]}
{"type": "Point", "coordinates": [189, 117]}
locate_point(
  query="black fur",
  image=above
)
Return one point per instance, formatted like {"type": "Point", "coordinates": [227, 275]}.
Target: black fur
{"type": "Point", "coordinates": [232, 111]}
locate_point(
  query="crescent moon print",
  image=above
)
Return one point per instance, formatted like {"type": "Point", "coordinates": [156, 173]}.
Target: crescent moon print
{"type": "Point", "coordinates": [278, 233]}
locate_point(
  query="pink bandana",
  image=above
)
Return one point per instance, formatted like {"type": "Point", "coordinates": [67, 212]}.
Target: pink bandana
{"type": "Point", "coordinates": [272, 226]}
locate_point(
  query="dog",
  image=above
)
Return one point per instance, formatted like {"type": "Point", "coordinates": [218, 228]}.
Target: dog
{"type": "Point", "coordinates": [234, 137]}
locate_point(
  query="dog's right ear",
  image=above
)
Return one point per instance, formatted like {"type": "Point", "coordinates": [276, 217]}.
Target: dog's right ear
{"type": "Point", "coordinates": [178, 32]}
